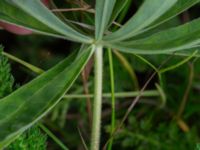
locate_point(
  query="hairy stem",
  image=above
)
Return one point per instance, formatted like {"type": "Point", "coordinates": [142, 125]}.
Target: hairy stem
{"type": "Point", "coordinates": [122, 95]}
{"type": "Point", "coordinates": [96, 122]}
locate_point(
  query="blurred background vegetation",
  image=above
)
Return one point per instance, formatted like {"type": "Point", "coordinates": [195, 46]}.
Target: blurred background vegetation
{"type": "Point", "coordinates": [167, 120]}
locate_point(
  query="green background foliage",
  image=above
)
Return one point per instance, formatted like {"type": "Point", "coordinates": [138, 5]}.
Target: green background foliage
{"type": "Point", "coordinates": [164, 118]}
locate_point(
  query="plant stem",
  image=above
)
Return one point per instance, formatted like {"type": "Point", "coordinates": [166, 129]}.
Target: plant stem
{"type": "Point", "coordinates": [96, 124]}
{"type": "Point", "coordinates": [179, 63]}
{"type": "Point", "coordinates": [54, 138]}
{"type": "Point", "coordinates": [112, 82]}
{"type": "Point", "coordinates": [187, 92]}
{"type": "Point", "coordinates": [24, 63]}
{"type": "Point", "coordinates": [147, 93]}
{"type": "Point", "coordinates": [128, 67]}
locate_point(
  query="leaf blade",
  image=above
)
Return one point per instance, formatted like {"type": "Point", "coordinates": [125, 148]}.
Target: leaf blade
{"type": "Point", "coordinates": [103, 14]}
{"type": "Point", "coordinates": [28, 104]}
{"type": "Point", "coordinates": [42, 14]}
{"type": "Point", "coordinates": [13, 15]}
{"type": "Point", "coordinates": [150, 11]}
{"type": "Point", "coordinates": [178, 8]}
{"type": "Point", "coordinates": [183, 37]}
{"type": "Point", "coordinates": [120, 5]}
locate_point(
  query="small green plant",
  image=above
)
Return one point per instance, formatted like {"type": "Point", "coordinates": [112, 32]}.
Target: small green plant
{"type": "Point", "coordinates": [30, 140]}
{"type": "Point", "coordinates": [146, 134]}
{"type": "Point", "coordinates": [6, 79]}
{"type": "Point", "coordinates": [28, 104]}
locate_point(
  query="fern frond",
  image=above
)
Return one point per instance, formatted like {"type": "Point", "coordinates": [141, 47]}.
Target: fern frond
{"type": "Point", "coordinates": [6, 78]}
{"type": "Point", "coordinates": [33, 139]}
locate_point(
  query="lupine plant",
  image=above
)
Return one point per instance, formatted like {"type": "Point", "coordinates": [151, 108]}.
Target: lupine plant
{"type": "Point", "coordinates": [28, 104]}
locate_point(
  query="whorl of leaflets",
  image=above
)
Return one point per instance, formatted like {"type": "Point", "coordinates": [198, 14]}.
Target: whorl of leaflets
{"type": "Point", "coordinates": [16, 29]}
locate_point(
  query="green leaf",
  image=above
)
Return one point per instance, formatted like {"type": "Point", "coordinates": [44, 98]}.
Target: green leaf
{"type": "Point", "coordinates": [103, 13]}
{"type": "Point", "coordinates": [178, 8]}
{"type": "Point", "coordinates": [13, 15]}
{"type": "Point", "coordinates": [150, 11]}
{"type": "Point", "coordinates": [42, 14]}
{"type": "Point", "coordinates": [120, 4]}
{"type": "Point", "coordinates": [183, 37]}
{"type": "Point", "coordinates": [28, 104]}
{"type": "Point", "coordinates": [186, 52]}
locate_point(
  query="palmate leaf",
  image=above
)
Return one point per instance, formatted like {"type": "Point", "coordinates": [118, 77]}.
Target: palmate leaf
{"type": "Point", "coordinates": [28, 104]}
{"type": "Point", "coordinates": [102, 17]}
{"type": "Point", "coordinates": [183, 37]}
{"type": "Point", "coordinates": [39, 18]}
{"type": "Point", "coordinates": [150, 11]}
